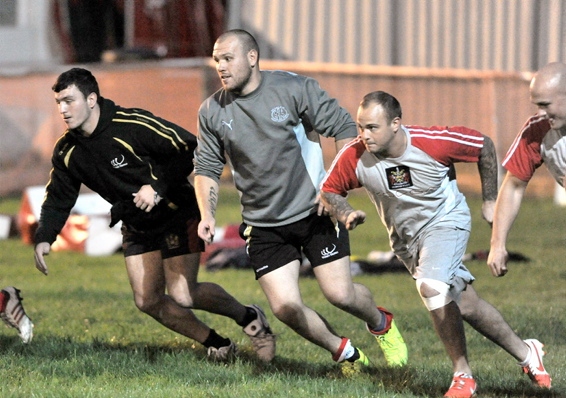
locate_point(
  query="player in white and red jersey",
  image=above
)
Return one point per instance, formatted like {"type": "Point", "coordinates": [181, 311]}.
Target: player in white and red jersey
{"type": "Point", "coordinates": [408, 172]}
{"type": "Point", "coordinates": [541, 140]}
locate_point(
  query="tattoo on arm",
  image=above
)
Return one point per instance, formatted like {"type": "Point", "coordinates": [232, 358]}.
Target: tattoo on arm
{"type": "Point", "coordinates": [213, 200]}
{"type": "Point", "coordinates": [337, 205]}
{"type": "Point", "coordinates": [488, 169]}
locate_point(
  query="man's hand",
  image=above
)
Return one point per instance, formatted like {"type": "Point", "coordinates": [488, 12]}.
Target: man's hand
{"type": "Point", "coordinates": [41, 249]}
{"type": "Point", "coordinates": [207, 229]}
{"type": "Point", "coordinates": [146, 198]}
{"type": "Point", "coordinates": [320, 209]}
{"type": "Point", "coordinates": [354, 219]}
{"type": "Point", "coordinates": [497, 261]}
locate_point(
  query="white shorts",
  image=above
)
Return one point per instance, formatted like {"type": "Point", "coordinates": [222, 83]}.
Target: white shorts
{"type": "Point", "coordinates": [438, 255]}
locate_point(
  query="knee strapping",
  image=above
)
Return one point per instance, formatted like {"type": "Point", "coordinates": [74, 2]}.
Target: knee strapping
{"type": "Point", "coordinates": [443, 297]}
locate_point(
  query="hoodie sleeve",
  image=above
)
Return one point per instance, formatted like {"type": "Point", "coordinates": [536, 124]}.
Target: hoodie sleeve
{"type": "Point", "coordinates": [61, 193]}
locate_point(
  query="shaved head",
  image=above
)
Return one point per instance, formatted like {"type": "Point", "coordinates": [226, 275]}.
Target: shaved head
{"type": "Point", "coordinates": [548, 93]}
{"type": "Point", "coordinates": [247, 41]}
{"type": "Point", "coordinates": [550, 76]}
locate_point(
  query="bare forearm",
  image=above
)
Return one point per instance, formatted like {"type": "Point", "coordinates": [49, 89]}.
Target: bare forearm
{"type": "Point", "coordinates": [506, 209]}
{"type": "Point", "coordinates": [337, 205]}
{"type": "Point", "coordinates": [206, 190]}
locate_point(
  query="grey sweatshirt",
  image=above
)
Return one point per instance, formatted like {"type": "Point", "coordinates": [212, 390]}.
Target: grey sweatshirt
{"type": "Point", "coordinates": [271, 141]}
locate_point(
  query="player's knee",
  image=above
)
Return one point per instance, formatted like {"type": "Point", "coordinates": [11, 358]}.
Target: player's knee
{"type": "Point", "coordinates": [288, 313]}
{"type": "Point", "coordinates": [147, 304]}
{"type": "Point", "coordinates": [341, 298]}
{"type": "Point", "coordinates": [185, 302]}
{"type": "Point", "coordinates": [184, 299]}
{"type": "Point", "coordinates": [434, 293]}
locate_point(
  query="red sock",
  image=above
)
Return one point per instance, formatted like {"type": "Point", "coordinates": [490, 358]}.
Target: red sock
{"type": "Point", "coordinates": [336, 357]}
{"type": "Point", "coordinates": [388, 319]}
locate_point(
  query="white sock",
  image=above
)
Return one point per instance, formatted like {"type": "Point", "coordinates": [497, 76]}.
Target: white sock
{"type": "Point", "coordinates": [347, 352]}
{"type": "Point", "coordinates": [528, 358]}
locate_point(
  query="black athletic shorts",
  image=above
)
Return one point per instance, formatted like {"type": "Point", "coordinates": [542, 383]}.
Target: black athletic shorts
{"type": "Point", "coordinates": [318, 237]}
{"type": "Point", "coordinates": [177, 236]}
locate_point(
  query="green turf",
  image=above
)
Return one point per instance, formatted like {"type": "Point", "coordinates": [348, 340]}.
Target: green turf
{"type": "Point", "coordinates": [91, 341]}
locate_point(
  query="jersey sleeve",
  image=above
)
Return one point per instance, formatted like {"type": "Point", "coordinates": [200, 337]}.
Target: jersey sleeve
{"type": "Point", "coordinates": [524, 155]}
{"type": "Point", "coordinates": [448, 145]}
{"type": "Point", "coordinates": [209, 155]}
{"type": "Point", "coordinates": [324, 113]}
{"type": "Point", "coordinates": [341, 176]}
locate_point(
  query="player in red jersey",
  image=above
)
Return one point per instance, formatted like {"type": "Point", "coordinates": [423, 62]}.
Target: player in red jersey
{"type": "Point", "coordinates": [408, 171]}
{"type": "Point", "coordinates": [541, 140]}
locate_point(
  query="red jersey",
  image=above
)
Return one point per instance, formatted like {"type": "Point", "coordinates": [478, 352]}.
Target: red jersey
{"type": "Point", "coordinates": [535, 144]}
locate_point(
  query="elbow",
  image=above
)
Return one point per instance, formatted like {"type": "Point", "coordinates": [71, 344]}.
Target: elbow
{"type": "Point", "coordinates": [488, 145]}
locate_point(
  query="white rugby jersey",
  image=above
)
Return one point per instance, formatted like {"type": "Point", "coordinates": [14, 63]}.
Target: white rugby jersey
{"type": "Point", "coordinates": [415, 190]}
{"type": "Point", "coordinates": [535, 144]}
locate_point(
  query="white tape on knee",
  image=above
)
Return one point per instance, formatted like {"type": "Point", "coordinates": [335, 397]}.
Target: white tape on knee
{"type": "Point", "coordinates": [441, 299]}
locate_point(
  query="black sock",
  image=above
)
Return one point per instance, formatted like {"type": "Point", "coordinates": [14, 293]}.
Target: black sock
{"type": "Point", "coordinates": [251, 315]}
{"type": "Point", "coordinates": [215, 340]}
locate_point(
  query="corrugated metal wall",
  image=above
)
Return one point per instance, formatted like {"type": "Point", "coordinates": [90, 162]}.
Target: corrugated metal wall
{"type": "Point", "coordinates": [507, 35]}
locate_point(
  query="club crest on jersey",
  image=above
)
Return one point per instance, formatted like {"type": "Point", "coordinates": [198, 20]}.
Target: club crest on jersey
{"type": "Point", "coordinates": [279, 114]}
{"type": "Point", "coordinates": [399, 177]}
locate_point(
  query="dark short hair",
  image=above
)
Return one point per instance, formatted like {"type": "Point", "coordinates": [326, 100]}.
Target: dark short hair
{"type": "Point", "coordinates": [390, 105]}
{"type": "Point", "coordinates": [82, 78]}
{"type": "Point", "coordinates": [248, 41]}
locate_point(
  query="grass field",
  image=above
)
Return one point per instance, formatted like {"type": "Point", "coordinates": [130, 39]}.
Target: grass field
{"type": "Point", "coordinates": [91, 341]}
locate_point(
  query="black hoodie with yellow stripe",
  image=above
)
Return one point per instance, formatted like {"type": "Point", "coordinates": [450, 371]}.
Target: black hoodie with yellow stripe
{"type": "Point", "coordinates": [129, 148]}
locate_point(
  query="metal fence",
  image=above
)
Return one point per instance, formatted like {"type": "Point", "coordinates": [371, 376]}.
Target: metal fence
{"type": "Point", "coordinates": [506, 35]}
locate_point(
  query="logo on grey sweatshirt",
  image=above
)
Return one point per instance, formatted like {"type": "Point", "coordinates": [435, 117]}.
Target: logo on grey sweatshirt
{"type": "Point", "coordinates": [279, 114]}
{"type": "Point", "coordinates": [228, 124]}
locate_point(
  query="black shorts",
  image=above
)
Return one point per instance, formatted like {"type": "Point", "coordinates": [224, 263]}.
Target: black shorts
{"type": "Point", "coordinates": [319, 238]}
{"type": "Point", "coordinates": [176, 237]}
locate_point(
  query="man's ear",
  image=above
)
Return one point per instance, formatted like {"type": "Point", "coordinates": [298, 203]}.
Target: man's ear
{"type": "Point", "coordinates": [396, 123]}
{"type": "Point", "coordinates": [252, 58]}
{"type": "Point", "coordinates": [91, 100]}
